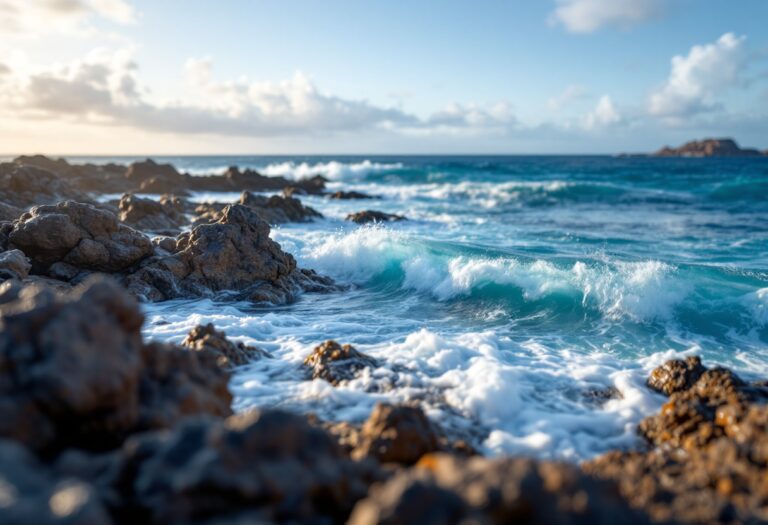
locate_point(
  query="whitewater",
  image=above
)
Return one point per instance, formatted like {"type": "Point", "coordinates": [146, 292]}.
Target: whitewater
{"type": "Point", "coordinates": [519, 290]}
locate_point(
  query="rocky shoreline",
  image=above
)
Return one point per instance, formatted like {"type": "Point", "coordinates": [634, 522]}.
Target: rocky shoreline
{"type": "Point", "coordinates": [99, 426]}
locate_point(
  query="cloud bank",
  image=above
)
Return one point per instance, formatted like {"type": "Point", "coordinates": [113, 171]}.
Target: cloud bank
{"type": "Point", "coordinates": [587, 16]}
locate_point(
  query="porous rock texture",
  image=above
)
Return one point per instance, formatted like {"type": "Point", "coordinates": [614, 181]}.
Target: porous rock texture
{"type": "Point", "coordinates": [444, 489]}
{"type": "Point", "coordinates": [165, 216]}
{"type": "Point", "coordinates": [336, 363]}
{"type": "Point", "coordinates": [709, 450]}
{"type": "Point", "coordinates": [228, 353]}
{"type": "Point", "coordinates": [70, 237]}
{"type": "Point", "coordinates": [233, 254]}
{"type": "Point", "coordinates": [278, 210]}
{"type": "Point", "coordinates": [74, 371]}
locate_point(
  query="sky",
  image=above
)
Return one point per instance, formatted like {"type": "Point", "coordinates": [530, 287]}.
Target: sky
{"type": "Point", "coordinates": [381, 77]}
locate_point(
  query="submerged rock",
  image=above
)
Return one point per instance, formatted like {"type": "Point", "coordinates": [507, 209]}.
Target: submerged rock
{"type": "Point", "coordinates": [78, 235]}
{"type": "Point", "coordinates": [364, 217]}
{"type": "Point", "coordinates": [277, 209]}
{"type": "Point", "coordinates": [228, 354]}
{"type": "Point", "coordinates": [443, 489]}
{"type": "Point", "coordinates": [74, 371]}
{"type": "Point", "coordinates": [233, 254]}
{"type": "Point", "coordinates": [336, 363]}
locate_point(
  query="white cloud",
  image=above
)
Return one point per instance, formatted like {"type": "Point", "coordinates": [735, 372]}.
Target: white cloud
{"type": "Point", "coordinates": [605, 114]}
{"type": "Point", "coordinates": [22, 18]}
{"type": "Point", "coordinates": [104, 88]}
{"type": "Point", "coordinates": [587, 16]}
{"type": "Point", "coordinates": [697, 79]}
{"type": "Point", "coordinates": [571, 94]}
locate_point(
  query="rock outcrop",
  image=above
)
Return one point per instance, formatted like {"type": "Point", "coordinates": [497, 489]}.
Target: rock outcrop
{"type": "Point", "coordinates": [364, 217]}
{"type": "Point", "coordinates": [336, 363]}
{"type": "Point", "coordinates": [69, 238]}
{"type": "Point", "coordinates": [278, 210]}
{"type": "Point", "coordinates": [228, 354]}
{"type": "Point", "coordinates": [234, 254]}
{"type": "Point", "coordinates": [396, 434]}
{"type": "Point", "coordinates": [444, 489]}
{"type": "Point", "coordinates": [708, 148]}
{"type": "Point", "coordinates": [23, 186]}
{"type": "Point", "coordinates": [165, 216]}
{"type": "Point", "coordinates": [74, 371]}
{"type": "Point", "coordinates": [349, 195]}
{"type": "Point", "coordinates": [710, 450]}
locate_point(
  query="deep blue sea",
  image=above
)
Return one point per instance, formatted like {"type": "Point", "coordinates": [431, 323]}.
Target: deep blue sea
{"type": "Point", "coordinates": [517, 284]}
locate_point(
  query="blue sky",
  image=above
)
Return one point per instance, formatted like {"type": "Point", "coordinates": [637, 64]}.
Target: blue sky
{"type": "Point", "coordinates": [253, 76]}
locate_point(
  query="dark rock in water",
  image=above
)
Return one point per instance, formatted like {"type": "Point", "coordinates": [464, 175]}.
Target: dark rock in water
{"type": "Point", "coordinates": [259, 467]}
{"type": "Point", "coordinates": [165, 215]}
{"type": "Point", "coordinates": [347, 195]}
{"type": "Point", "coordinates": [396, 434]}
{"type": "Point", "coordinates": [444, 489]}
{"type": "Point", "coordinates": [364, 217]}
{"type": "Point", "coordinates": [25, 186]}
{"type": "Point", "coordinates": [233, 254]}
{"type": "Point", "coordinates": [228, 354]}
{"type": "Point", "coordinates": [14, 265]}
{"type": "Point", "coordinates": [107, 178]}
{"type": "Point", "coordinates": [600, 396]}
{"type": "Point", "coordinates": [708, 148]}
{"type": "Point", "coordinates": [74, 371]}
{"type": "Point", "coordinates": [140, 172]}
{"type": "Point", "coordinates": [308, 186]}
{"type": "Point", "coordinates": [711, 450]}
{"type": "Point", "coordinates": [31, 494]}
{"type": "Point", "coordinates": [336, 363]}
{"type": "Point", "coordinates": [676, 375]}
{"type": "Point", "coordinates": [277, 209]}
{"type": "Point", "coordinates": [162, 186]}
{"type": "Point", "coordinates": [80, 235]}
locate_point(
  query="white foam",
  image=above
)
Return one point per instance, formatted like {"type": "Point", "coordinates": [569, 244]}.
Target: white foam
{"type": "Point", "coordinates": [333, 170]}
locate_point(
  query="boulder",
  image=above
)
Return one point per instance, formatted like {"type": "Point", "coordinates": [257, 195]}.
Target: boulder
{"type": "Point", "coordinates": [22, 186]}
{"type": "Point", "coordinates": [364, 217]}
{"type": "Point", "coordinates": [443, 489]}
{"type": "Point", "coordinates": [74, 371]}
{"type": "Point", "coordinates": [676, 375]}
{"type": "Point", "coordinates": [79, 235]}
{"type": "Point", "coordinates": [139, 172]}
{"type": "Point", "coordinates": [229, 354]}
{"type": "Point", "coordinates": [14, 265]}
{"type": "Point", "coordinates": [396, 434]}
{"type": "Point", "coordinates": [336, 363]}
{"type": "Point", "coordinates": [163, 216]}
{"type": "Point", "coordinates": [278, 210]}
{"type": "Point", "coordinates": [348, 195]}
{"type": "Point", "coordinates": [234, 254]}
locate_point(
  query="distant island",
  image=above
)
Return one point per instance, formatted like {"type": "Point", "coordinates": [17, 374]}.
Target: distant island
{"type": "Point", "coordinates": [724, 147]}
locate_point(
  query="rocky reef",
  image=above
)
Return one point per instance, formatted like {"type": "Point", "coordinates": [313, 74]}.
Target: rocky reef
{"type": "Point", "coordinates": [724, 147]}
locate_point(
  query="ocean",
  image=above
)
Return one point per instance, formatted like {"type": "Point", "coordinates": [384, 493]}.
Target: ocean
{"type": "Point", "coordinates": [516, 286]}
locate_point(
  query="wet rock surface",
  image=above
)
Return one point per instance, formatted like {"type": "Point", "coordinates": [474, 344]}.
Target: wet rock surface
{"type": "Point", "coordinates": [709, 450]}
{"type": "Point", "coordinates": [372, 216]}
{"type": "Point", "coordinates": [78, 235]}
{"type": "Point", "coordinates": [277, 209]}
{"type": "Point", "coordinates": [164, 216]}
{"type": "Point", "coordinates": [229, 354]}
{"type": "Point", "coordinates": [336, 363]}
{"type": "Point", "coordinates": [74, 371]}
{"type": "Point", "coordinates": [444, 489]}
{"type": "Point", "coordinates": [233, 254]}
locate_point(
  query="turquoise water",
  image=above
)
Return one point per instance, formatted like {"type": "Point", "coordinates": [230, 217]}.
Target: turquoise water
{"type": "Point", "coordinates": [516, 284]}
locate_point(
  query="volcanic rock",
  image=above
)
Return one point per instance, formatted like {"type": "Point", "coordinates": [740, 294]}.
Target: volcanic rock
{"type": "Point", "coordinates": [364, 217]}
{"type": "Point", "coordinates": [228, 354]}
{"type": "Point", "coordinates": [336, 363]}
{"type": "Point", "coordinates": [396, 434]}
{"type": "Point", "coordinates": [25, 186]}
{"type": "Point", "coordinates": [277, 209]}
{"type": "Point", "coordinates": [676, 375]}
{"type": "Point", "coordinates": [163, 216]}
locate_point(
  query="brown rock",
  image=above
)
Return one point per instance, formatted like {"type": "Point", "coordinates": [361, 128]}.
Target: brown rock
{"type": "Point", "coordinates": [228, 354]}
{"type": "Point", "coordinates": [14, 265]}
{"type": "Point", "coordinates": [708, 148]}
{"type": "Point", "coordinates": [397, 434]}
{"type": "Point", "coordinates": [25, 186]}
{"type": "Point", "coordinates": [676, 375]}
{"type": "Point", "coordinates": [336, 363]}
{"type": "Point", "coordinates": [164, 216]}
{"type": "Point", "coordinates": [364, 217]}
{"type": "Point", "coordinates": [277, 209]}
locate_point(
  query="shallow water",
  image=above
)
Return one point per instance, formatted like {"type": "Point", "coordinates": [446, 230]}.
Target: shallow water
{"type": "Point", "coordinates": [517, 284]}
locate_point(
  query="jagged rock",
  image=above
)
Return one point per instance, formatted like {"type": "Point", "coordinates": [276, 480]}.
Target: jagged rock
{"type": "Point", "coordinates": [9, 213]}
{"type": "Point", "coordinates": [228, 354]}
{"type": "Point", "coordinates": [140, 172]}
{"type": "Point", "coordinates": [165, 216]}
{"type": "Point", "coordinates": [80, 235]}
{"type": "Point", "coordinates": [708, 148]}
{"type": "Point", "coordinates": [25, 186]}
{"type": "Point", "coordinates": [208, 212]}
{"type": "Point", "coordinates": [711, 450]}
{"type": "Point", "coordinates": [103, 178]}
{"type": "Point", "coordinates": [259, 467]}
{"type": "Point", "coordinates": [676, 375]}
{"type": "Point", "coordinates": [14, 265]}
{"type": "Point", "coordinates": [443, 489]}
{"type": "Point", "coordinates": [336, 363]}
{"type": "Point", "coordinates": [74, 371]}
{"type": "Point", "coordinates": [277, 209]}
{"type": "Point", "coordinates": [396, 434]}
{"type": "Point", "coordinates": [364, 217]}
{"type": "Point", "coordinates": [234, 254]}
{"type": "Point", "coordinates": [347, 195]}
{"type": "Point", "coordinates": [31, 494]}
